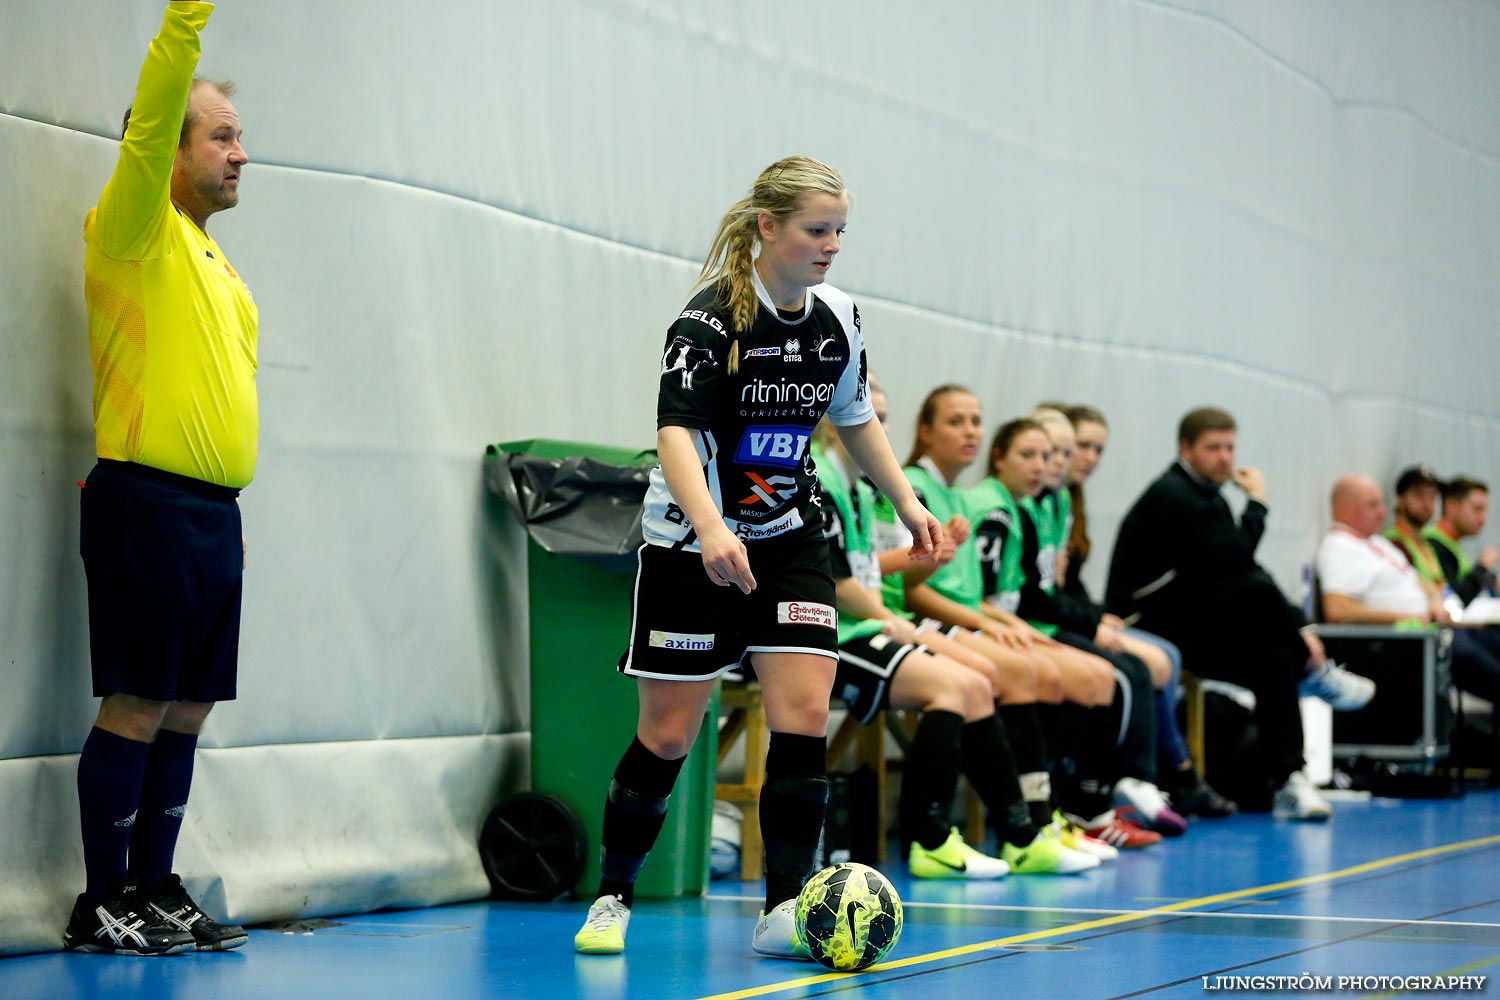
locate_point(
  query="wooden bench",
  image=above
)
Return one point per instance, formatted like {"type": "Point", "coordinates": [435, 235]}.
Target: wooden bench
{"type": "Point", "coordinates": [747, 717]}
{"type": "Point", "coordinates": [1192, 700]}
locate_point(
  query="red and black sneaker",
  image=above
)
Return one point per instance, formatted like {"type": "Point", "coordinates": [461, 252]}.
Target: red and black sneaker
{"type": "Point", "coordinates": [1118, 829]}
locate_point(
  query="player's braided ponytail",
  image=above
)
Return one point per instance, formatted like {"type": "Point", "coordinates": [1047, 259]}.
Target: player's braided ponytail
{"type": "Point", "coordinates": [742, 301]}
{"type": "Point", "coordinates": [778, 190]}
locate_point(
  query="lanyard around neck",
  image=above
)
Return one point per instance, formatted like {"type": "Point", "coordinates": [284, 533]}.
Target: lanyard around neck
{"type": "Point", "coordinates": [1385, 556]}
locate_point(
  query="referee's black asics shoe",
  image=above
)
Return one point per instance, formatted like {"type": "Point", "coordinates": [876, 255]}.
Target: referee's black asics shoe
{"type": "Point", "coordinates": [123, 923]}
{"type": "Point", "coordinates": [172, 905]}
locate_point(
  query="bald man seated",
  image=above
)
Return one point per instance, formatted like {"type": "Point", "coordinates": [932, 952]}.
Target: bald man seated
{"type": "Point", "coordinates": [1367, 580]}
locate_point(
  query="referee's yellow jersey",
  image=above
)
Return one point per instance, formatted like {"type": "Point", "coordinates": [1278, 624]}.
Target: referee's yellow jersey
{"type": "Point", "coordinates": [172, 328]}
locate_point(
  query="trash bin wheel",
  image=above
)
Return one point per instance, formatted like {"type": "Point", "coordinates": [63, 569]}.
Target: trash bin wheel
{"type": "Point", "coordinates": [532, 847]}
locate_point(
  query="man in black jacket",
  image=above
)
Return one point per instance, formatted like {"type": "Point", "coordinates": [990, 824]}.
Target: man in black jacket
{"type": "Point", "coordinates": [1184, 569]}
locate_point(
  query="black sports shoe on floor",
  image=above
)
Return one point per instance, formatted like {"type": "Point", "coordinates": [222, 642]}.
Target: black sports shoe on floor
{"type": "Point", "coordinates": [171, 904]}
{"type": "Point", "coordinates": [123, 923]}
{"type": "Point", "coordinates": [1204, 801]}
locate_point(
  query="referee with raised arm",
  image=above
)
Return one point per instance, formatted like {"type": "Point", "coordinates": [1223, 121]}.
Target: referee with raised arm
{"type": "Point", "coordinates": [172, 338]}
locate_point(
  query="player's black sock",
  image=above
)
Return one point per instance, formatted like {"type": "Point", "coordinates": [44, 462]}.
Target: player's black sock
{"type": "Point", "coordinates": [990, 767]}
{"type": "Point", "coordinates": [1055, 733]}
{"type": "Point", "coordinates": [164, 795]}
{"type": "Point", "coordinates": [1063, 725]}
{"type": "Point", "coordinates": [792, 801]}
{"type": "Point", "coordinates": [1093, 792]}
{"type": "Point", "coordinates": [1028, 743]}
{"type": "Point", "coordinates": [929, 779]}
{"type": "Point", "coordinates": [634, 811]}
{"type": "Point", "coordinates": [110, 772]}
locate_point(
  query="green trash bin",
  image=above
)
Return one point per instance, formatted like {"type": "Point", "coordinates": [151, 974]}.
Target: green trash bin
{"type": "Point", "coordinates": [583, 711]}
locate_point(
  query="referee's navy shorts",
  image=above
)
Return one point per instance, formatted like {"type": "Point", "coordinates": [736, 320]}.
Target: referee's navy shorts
{"type": "Point", "coordinates": [164, 559]}
{"type": "Point", "coordinates": [683, 627]}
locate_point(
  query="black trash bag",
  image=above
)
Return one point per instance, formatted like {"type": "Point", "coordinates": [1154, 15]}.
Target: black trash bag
{"type": "Point", "coordinates": [574, 506]}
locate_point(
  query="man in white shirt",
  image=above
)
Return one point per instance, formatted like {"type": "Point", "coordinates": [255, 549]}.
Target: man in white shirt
{"type": "Point", "coordinates": [1366, 579]}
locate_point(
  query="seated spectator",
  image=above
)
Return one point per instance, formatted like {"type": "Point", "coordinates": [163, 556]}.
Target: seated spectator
{"type": "Point", "coordinates": [1466, 505]}
{"type": "Point", "coordinates": [1366, 579]}
{"type": "Point", "coordinates": [1184, 569]}
{"type": "Point", "coordinates": [1416, 501]}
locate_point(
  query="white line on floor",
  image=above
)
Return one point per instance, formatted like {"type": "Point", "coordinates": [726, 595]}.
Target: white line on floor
{"type": "Point", "coordinates": [1174, 913]}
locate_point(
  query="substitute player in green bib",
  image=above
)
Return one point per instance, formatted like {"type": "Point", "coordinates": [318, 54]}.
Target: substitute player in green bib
{"type": "Point", "coordinates": [1103, 738]}
{"type": "Point", "coordinates": [885, 662]}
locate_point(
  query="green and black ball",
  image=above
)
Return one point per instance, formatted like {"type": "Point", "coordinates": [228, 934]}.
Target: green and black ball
{"type": "Point", "coordinates": [849, 917]}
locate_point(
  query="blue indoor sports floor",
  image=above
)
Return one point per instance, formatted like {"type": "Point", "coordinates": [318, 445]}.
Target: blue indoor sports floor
{"type": "Point", "coordinates": [1408, 888]}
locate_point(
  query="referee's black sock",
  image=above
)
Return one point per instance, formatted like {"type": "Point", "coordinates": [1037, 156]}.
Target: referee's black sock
{"type": "Point", "coordinates": [634, 811]}
{"type": "Point", "coordinates": [929, 779]}
{"type": "Point", "coordinates": [991, 769]}
{"type": "Point", "coordinates": [164, 795]}
{"type": "Point", "coordinates": [110, 771]}
{"type": "Point", "coordinates": [1028, 744]}
{"type": "Point", "coordinates": [792, 801]}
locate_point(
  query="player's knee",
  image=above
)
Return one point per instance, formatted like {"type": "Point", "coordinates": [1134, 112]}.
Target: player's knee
{"type": "Point", "coordinates": [812, 718]}
{"type": "Point", "coordinates": [804, 717]}
{"type": "Point", "coordinates": [978, 697]}
{"type": "Point", "coordinates": [1049, 681]}
{"type": "Point", "coordinates": [1104, 686]}
{"type": "Point", "coordinates": [997, 682]}
{"type": "Point", "coordinates": [669, 742]}
{"type": "Point", "coordinates": [1018, 686]}
{"type": "Point", "coordinates": [946, 699]}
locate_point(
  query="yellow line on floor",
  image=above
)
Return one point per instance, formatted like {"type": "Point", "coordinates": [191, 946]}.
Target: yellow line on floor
{"type": "Point", "coordinates": [1123, 918]}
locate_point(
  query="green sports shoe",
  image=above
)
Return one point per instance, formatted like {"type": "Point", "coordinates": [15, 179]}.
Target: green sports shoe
{"type": "Point", "coordinates": [1047, 855]}
{"type": "Point", "coordinates": [603, 930]}
{"type": "Point", "coordinates": [953, 859]}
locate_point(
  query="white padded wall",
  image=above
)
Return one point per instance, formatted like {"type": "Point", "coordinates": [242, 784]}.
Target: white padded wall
{"type": "Point", "coordinates": [471, 222]}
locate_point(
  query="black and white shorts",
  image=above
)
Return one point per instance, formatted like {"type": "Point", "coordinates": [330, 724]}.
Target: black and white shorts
{"type": "Point", "coordinates": [685, 628]}
{"type": "Point", "coordinates": [942, 628]}
{"type": "Point", "coordinates": [866, 667]}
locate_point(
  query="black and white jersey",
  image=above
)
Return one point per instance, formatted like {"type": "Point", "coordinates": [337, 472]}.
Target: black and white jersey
{"type": "Point", "coordinates": [752, 428]}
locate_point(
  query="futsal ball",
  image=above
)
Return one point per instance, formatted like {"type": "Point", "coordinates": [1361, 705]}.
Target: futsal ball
{"type": "Point", "coordinates": [849, 916]}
